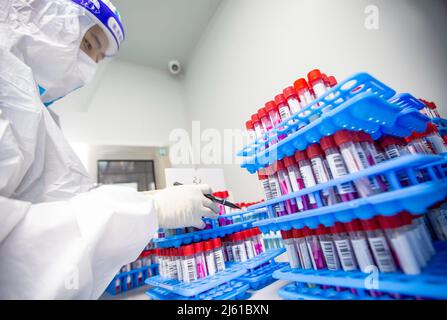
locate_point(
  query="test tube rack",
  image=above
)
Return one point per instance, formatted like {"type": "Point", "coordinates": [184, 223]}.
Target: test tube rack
{"type": "Point", "coordinates": [415, 198]}
{"type": "Point", "coordinates": [135, 283]}
{"type": "Point", "coordinates": [360, 103]}
{"type": "Point", "coordinates": [233, 271]}
{"type": "Point", "coordinates": [432, 283]}
{"type": "Point", "coordinates": [242, 220]}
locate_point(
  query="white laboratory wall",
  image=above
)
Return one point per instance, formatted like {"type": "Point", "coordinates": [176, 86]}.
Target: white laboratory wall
{"type": "Point", "coordinates": [254, 48]}
{"type": "Point", "coordinates": [128, 105]}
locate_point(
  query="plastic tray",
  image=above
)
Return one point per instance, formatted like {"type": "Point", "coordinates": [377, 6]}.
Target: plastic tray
{"type": "Point", "coordinates": [432, 283]}
{"type": "Point", "coordinates": [300, 292]}
{"type": "Point", "coordinates": [187, 238]}
{"type": "Point", "coordinates": [235, 290]}
{"type": "Point", "coordinates": [361, 102]}
{"type": "Point", "coordinates": [197, 287]}
{"type": "Point", "coordinates": [415, 198]}
{"type": "Point", "coordinates": [262, 277]}
{"type": "Point", "coordinates": [259, 260]}
{"type": "Point", "coordinates": [112, 289]}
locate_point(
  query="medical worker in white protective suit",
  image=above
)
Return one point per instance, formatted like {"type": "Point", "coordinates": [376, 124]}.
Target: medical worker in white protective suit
{"type": "Point", "coordinates": [59, 238]}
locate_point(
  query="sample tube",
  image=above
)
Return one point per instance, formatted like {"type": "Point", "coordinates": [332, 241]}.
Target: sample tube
{"type": "Point", "coordinates": [434, 140]}
{"type": "Point", "coordinates": [257, 126]}
{"type": "Point", "coordinates": [208, 247]}
{"type": "Point", "coordinates": [305, 96]}
{"type": "Point", "coordinates": [275, 190]}
{"type": "Point", "coordinates": [239, 251]}
{"type": "Point", "coordinates": [379, 246]}
{"type": "Point", "coordinates": [272, 110]}
{"type": "Point", "coordinates": [283, 108]}
{"type": "Point", "coordinates": [314, 247]}
{"type": "Point", "coordinates": [267, 125]}
{"type": "Point", "coordinates": [343, 245]}
{"type": "Point", "coordinates": [218, 254]}
{"type": "Point", "coordinates": [337, 167]}
{"type": "Point", "coordinates": [401, 245]}
{"type": "Point", "coordinates": [292, 253]}
{"type": "Point", "coordinates": [293, 101]}
{"type": "Point", "coordinates": [246, 238]}
{"type": "Point", "coordinates": [301, 244]}
{"type": "Point", "coordinates": [328, 247]}
{"type": "Point", "coordinates": [296, 182]}
{"type": "Point", "coordinates": [359, 242]}
{"type": "Point", "coordinates": [308, 178]}
{"type": "Point", "coordinates": [178, 263]}
{"type": "Point", "coordinates": [189, 263]}
{"type": "Point", "coordinates": [286, 188]}
{"type": "Point", "coordinates": [259, 241]}
{"type": "Point", "coordinates": [250, 131]}
{"type": "Point", "coordinates": [228, 248]}
{"type": "Point", "coordinates": [316, 80]}
{"type": "Point", "coordinates": [319, 168]}
{"type": "Point", "coordinates": [416, 235]}
{"type": "Point", "coordinates": [200, 260]}
{"type": "Point", "coordinates": [344, 140]}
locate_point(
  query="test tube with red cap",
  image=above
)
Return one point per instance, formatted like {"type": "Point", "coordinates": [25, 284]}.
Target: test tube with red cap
{"type": "Point", "coordinates": [228, 248]}
{"type": "Point", "coordinates": [293, 100]}
{"type": "Point", "coordinates": [314, 247]}
{"type": "Point", "coordinates": [359, 241]}
{"type": "Point", "coordinates": [218, 254]}
{"type": "Point", "coordinates": [303, 251]}
{"type": "Point", "coordinates": [257, 126]}
{"type": "Point", "coordinates": [305, 95]}
{"type": "Point", "coordinates": [208, 248]}
{"type": "Point", "coordinates": [379, 246]}
{"type": "Point", "coordinates": [419, 222]}
{"type": "Point", "coordinates": [273, 111]}
{"type": "Point", "coordinates": [344, 139]}
{"type": "Point", "coordinates": [200, 260]}
{"type": "Point", "coordinates": [283, 107]}
{"type": "Point", "coordinates": [292, 253]}
{"type": "Point", "coordinates": [401, 244]}
{"type": "Point", "coordinates": [344, 248]}
{"type": "Point", "coordinates": [259, 240]}
{"type": "Point", "coordinates": [316, 80]}
{"type": "Point", "coordinates": [248, 244]}
{"type": "Point", "coordinates": [266, 124]}
{"type": "Point", "coordinates": [189, 263]}
{"type": "Point", "coordinates": [337, 167]}
{"type": "Point", "coordinates": [275, 189]}
{"type": "Point", "coordinates": [308, 178]}
{"type": "Point", "coordinates": [239, 251]}
{"type": "Point", "coordinates": [250, 131]}
{"type": "Point", "coordinates": [321, 173]}
{"type": "Point", "coordinates": [328, 247]}
{"type": "Point", "coordinates": [435, 141]}
{"type": "Point", "coordinates": [416, 144]}
{"type": "Point", "coordinates": [296, 182]}
{"type": "Point", "coordinates": [285, 187]}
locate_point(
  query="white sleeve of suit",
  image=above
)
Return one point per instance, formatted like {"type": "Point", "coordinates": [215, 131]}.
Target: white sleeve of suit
{"type": "Point", "coordinates": [66, 249]}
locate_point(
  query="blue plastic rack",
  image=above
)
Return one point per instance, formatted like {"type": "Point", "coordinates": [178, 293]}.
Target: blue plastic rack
{"type": "Point", "coordinates": [415, 198]}
{"type": "Point", "coordinates": [134, 283]}
{"type": "Point", "coordinates": [234, 290]}
{"type": "Point", "coordinates": [197, 287]}
{"type": "Point", "coordinates": [360, 103]}
{"type": "Point", "coordinates": [431, 283]}
{"type": "Point", "coordinates": [245, 218]}
{"type": "Point", "coordinates": [298, 291]}
{"type": "Point", "coordinates": [263, 276]}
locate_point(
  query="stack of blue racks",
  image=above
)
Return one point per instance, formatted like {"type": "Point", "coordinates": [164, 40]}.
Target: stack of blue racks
{"type": "Point", "coordinates": [360, 103]}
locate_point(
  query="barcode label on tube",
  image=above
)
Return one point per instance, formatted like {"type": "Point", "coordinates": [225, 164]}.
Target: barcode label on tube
{"type": "Point", "coordinates": [220, 263]}
{"type": "Point", "coordinates": [330, 255]}
{"type": "Point", "coordinates": [382, 254]}
{"type": "Point", "coordinates": [346, 255]}
{"type": "Point", "coordinates": [189, 269]}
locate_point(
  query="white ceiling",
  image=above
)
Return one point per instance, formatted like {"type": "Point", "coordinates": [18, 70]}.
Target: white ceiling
{"type": "Point", "coordinates": [158, 31]}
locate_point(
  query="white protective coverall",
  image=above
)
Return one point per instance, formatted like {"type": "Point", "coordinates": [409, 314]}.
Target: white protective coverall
{"type": "Point", "coordinates": [59, 238]}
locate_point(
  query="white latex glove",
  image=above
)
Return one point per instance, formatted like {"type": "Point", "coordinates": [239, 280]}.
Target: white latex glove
{"type": "Point", "coordinates": [184, 206]}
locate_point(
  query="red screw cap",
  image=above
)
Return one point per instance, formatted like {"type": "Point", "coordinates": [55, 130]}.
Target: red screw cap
{"type": "Point", "coordinates": [290, 92]}
{"type": "Point", "coordinates": [314, 75]}
{"type": "Point", "coordinates": [343, 136]}
{"type": "Point", "coordinates": [314, 151]}
{"type": "Point", "coordinates": [271, 106]}
{"type": "Point", "coordinates": [280, 99]}
{"type": "Point", "coordinates": [301, 84]}
{"type": "Point", "coordinates": [327, 143]}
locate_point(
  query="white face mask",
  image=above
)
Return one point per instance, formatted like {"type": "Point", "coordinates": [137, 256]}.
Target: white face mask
{"type": "Point", "coordinates": [87, 68]}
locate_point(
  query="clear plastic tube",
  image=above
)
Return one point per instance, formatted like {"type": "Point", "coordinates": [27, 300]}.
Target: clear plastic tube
{"type": "Point", "coordinates": [321, 174]}
{"type": "Point", "coordinates": [239, 251]}
{"type": "Point", "coordinates": [200, 260]}
{"type": "Point", "coordinates": [189, 264]}
{"type": "Point", "coordinates": [360, 246]}
{"type": "Point", "coordinates": [308, 178]}
{"type": "Point", "coordinates": [209, 258]}
{"type": "Point", "coordinates": [275, 190]}
{"type": "Point", "coordinates": [218, 255]}
{"type": "Point", "coordinates": [344, 249]}
{"type": "Point", "coordinates": [328, 247]}
{"type": "Point", "coordinates": [337, 167]}
{"type": "Point", "coordinates": [344, 140]}
{"type": "Point", "coordinates": [319, 88]}
{"type": "Point", "coordinates": [285, 187]}
{"type": "Point", "coordinates": [296, 182]}
{"type": "Point", "coordinates": [379, 246]}
{"type": "Point", "coordinates": [248, 244]}
{"type": "Point", "coordinates": [302, 248]}
{"type": "Point", "coordinates": [292, 253]}
{"type": "Point", "coordinates": [314, 247]}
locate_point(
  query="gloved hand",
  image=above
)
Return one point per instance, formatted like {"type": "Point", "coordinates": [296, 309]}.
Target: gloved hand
{"type": "Point", "coordinates": [184, 206]}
